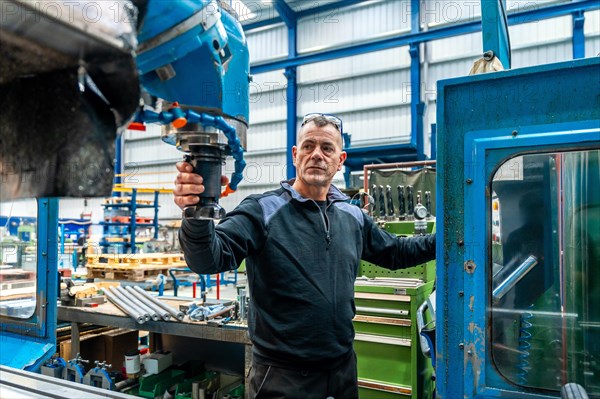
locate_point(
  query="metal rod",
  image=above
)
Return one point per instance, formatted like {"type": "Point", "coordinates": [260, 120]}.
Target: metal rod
{"type": "Point", "coordinates": [158, 311]}
{"type": "Point", "coordinates": [122, 294]}
{"type": "Point", "coordinates": [156, 316]}
{"type": "Point", "coordinates": [221, 312]}
{"type": "Point", "coordinates": [176, 313]}
{"type": "Point", "coordinates": [508, 283]}
{"type": "Point", "coordinates": [126, 309]}
{"type": "Point", "coordinates": [129, 302]}
{"type": "Point", "coordinates": [145, 309]}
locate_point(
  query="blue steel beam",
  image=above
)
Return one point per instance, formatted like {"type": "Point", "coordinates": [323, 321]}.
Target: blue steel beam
{"type": "Point", "coordinates": [119, 141]}
{"type": "Point", "coordinates": [432, 34]}
{"type": "Point", "coordinates": [494, 27]}
{"type": "Point", "coordinates": [290, 19]}
{"type": "Point", "coordinates": [578, 35]}
{"type": "Point", "coordinates": [286, 13]}
{"type": "Point", "coordinates": [325, 8]}
{"type": "Point", "coordinates": [417, 107]}
{"type": "Point", "coordinates": [378, 154]}
{"type": "Point", "coordinates": [292, 111]}
{"type": "Point", "coordinates": [433, 143]}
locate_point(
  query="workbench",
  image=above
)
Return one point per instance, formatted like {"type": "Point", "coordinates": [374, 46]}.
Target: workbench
{"type": "Point", "coordinates": [108, 314]}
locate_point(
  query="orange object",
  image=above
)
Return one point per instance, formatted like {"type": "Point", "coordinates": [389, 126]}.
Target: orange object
{"type": "Point", "coordinates": [228, 190]}
{"type": "Point", "coordinates": [179, 123]}
{"type": "Point", "coordinates": [137, 126]}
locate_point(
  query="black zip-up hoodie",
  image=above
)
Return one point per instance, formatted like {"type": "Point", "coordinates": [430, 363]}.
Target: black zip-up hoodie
{"type": "Point", "coordinates": [301, 266]}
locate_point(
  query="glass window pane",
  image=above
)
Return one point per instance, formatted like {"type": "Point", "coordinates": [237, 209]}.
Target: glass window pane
{"type": "Point", "coordinates": [18, 256]}
{"type": "Point", "coordinates": [545, 300]}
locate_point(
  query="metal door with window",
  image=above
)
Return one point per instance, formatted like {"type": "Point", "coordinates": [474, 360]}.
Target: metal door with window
{"type": "Point", "coordinates": [28, 296]}
{"type": "Point", "coordinates": [519, 250]}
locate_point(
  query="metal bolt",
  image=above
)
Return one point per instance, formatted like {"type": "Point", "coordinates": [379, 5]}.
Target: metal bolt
{"type": "Point", "coordinates": [461, 345]}
{"type": "Point", "coordinates": [461, 293]}
{"type": "Point", "coordinates": [460, 243]}
{"type": "Point", "coordinates": [469, 181]}
{"type": "Point", "coordinates": [470, 353]}
{"type": "Point", "coordinates": [514, 133]}
{"type": "Point", "coordinates": [44, 254]}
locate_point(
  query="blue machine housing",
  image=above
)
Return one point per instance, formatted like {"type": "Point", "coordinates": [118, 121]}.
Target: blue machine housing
{"type": "Point", "coordinates": [211, 64]}
{"type": "Point", "coordinates": [482, 121]}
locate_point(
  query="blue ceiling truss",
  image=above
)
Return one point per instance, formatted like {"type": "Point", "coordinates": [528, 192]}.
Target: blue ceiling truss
{"type": "Point", "coordinates": [414, 150]}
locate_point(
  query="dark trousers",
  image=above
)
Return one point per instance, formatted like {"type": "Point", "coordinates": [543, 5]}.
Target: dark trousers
{"type": "Point", "coordinates": [270, 382]}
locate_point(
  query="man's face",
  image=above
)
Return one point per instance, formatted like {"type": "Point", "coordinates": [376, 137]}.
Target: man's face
{"type": "Point", "coordinates": [318, 155]}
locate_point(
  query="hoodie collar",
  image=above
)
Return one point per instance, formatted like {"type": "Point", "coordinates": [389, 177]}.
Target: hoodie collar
{"type": "Point", "coordinates": [334, 194]}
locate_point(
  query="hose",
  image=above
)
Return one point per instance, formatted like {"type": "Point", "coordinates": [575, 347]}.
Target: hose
{"type": "Point", "coordinates": [524, 346]}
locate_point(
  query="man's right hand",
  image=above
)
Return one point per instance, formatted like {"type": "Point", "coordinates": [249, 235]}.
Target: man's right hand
{"type": "Point", "coordinates": [188, 185]}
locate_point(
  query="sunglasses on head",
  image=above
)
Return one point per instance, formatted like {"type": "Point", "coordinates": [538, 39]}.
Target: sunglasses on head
{"type": "Point", "coordinates": [337, 122]}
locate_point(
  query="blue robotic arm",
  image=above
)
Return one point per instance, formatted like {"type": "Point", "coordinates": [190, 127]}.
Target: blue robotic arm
{"type": "Point", "coordinates": [88, 77]}
{"type": "Point", "coordinates": [193, 56]}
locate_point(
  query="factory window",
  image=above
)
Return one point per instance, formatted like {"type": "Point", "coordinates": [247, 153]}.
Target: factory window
{"type": "Point", "coordinates": [544, 229]}
{"type": "Point", "coordinates": [18, 253]}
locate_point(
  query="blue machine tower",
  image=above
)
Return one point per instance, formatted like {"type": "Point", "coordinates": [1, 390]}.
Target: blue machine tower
{"type": "Point", "coordinates": [518, 254]}
{"type": "Point", "coordinates": [193, 55]}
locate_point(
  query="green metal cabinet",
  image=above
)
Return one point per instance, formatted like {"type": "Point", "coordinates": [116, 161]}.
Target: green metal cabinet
{"type": "Point", "coordinates": [390, 362]}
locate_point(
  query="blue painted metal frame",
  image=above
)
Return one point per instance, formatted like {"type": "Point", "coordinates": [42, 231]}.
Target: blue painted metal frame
{"type": "Point", "coordinates": [424, 36]}
{"type": "Point", "coordinates": [417, 107]}
{"type": "Point", "coordinates": [285, 12]}
{"type": "Point", "coordinates": [494, 28]}
{"type": "Point", "coordinates": [433, 143]}
{"type": "Point", "coordinates": [325, 8]}
{"type": "Point", "coordinates": [291, 20]}
{"type": "Point", "coordinates": [292, 114]}
{"type": "Point", "coordinates": [119, 142]}
{"type": "Point", "coordinates": [415, 150]}
{"type": "Point", "coordinates": [578, 35]}
{"type": "Point", "coordinates": [475, 136]}
{"type": "Point", "coordinates": [27, 343]}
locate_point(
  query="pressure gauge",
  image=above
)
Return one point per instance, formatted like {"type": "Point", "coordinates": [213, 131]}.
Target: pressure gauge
{"type": "Point", "coordinates": [420, 212]}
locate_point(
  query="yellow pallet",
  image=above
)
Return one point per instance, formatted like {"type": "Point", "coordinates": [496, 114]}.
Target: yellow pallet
{"type": "Point", "coordinates": [136, 259]}
{"type": "Point", "coordinates": [128, 272]}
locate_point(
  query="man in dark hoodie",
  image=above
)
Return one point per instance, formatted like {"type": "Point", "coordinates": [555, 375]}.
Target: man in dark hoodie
{"type": "Point", "coordinates": [303, 244]}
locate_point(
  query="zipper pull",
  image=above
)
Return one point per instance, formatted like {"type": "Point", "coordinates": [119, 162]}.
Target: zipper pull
{"type": "Point", "coordinates": [328, 241]}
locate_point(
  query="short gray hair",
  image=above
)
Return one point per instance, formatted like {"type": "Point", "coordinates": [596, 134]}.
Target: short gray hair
{"type": "Point", "coordinates": [320, 121]}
